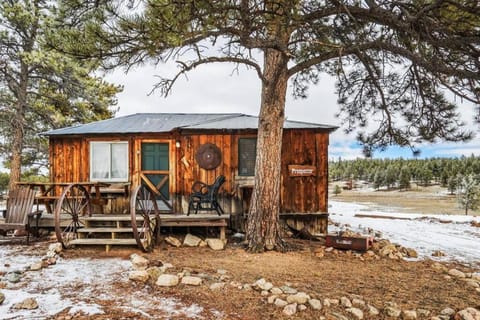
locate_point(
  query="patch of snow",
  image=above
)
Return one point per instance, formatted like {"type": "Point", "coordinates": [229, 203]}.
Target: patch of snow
{"type": "Point", "coordinates": [452, 234]}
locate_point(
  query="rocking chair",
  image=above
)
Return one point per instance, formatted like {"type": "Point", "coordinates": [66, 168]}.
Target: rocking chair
{"type": "Point", "coordinates": [204, 194]}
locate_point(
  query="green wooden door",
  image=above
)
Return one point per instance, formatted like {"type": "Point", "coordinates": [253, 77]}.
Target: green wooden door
{"type": "Point", "coordinates": [155, 170]}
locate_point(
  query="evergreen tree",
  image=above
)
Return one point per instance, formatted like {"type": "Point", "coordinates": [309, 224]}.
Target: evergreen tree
{"type": "Point", "coordinates": [404, 178]}
{"type": "Point", "coordinates": [468, 193]}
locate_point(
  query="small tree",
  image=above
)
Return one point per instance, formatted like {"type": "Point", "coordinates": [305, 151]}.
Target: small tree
{"type": "Point", "coordinates": [404, 178]}
{"type": "Point", "coordinates": [452, 184]}
{"type": "Point", "coordinates": [468, 193]}
{"type": "Point", "coordinates": [378, 179]}
{"type": "Point", "coordinates": [337, 190]}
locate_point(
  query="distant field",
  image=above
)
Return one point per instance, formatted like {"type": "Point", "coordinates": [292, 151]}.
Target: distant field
{"type": "Point", "coordinates": [423, 200]}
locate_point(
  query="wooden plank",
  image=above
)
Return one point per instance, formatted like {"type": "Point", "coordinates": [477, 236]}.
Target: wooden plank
{"type": "Point", "coordinates": [100, 241]}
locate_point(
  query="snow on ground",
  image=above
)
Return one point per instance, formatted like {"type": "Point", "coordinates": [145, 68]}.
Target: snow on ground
{"type": "Point", "coordinates": [77, 285]}
{"type": "Point", "coordinates": [452, 234]}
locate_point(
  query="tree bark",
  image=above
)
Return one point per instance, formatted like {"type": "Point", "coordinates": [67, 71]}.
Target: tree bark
{"type": "Point", "coordinates": [263, 231]}
{"type": "Point", "coordinates": [18, 123]}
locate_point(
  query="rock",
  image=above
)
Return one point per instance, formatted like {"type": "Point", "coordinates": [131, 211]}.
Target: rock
{"type": "Point", "coordinates": [191, 240]}
{"type": "Point", "coordinates": [328, 302]}
{"type": "Point", "coordinates": [202, 244]}
{"type": "Point", "coordinates": [280, 303]}
{"type": "Point", "coordinates": [423, 313]}
{"type": "Point", "coordinates": [2, 297]}
{"type": "Point", "coordinates": [173, 241]}
{"type": "Point", "coordinates": [411, 253]}
{"type": "Point", "coordinates": [290, 309]}
{"type": "Point", "coordinates": [409, 315]}
{"type": "Point", "coordinates": [456, 273]}
{"type": "Point", "coordinates": [154, 273]}
{"type": "Point", "coordinates": [262, 284]}
{"type": "Point", "coordinates": [288, 290]}
{"type": "Point", "coordinates": [217, 286]}
{"type": "Point", "coordinates": [315, 304]}
{"type": "Point", "coordinates": [264, 293]}
{"type": "Point", "coordinates": [50, 254]}
{"type": "Point", "coordinates": [36, 266]}
{"type": "Point", "coordinates": [392, 311]}
{"type": "Point", "coordinates": [447, 312]}
{"type": "Point", "coordinates": [271, 299]}
{"type": "Point", "coordinates": [222, 271]}
{"type": "Point", "coordinates": [167, 280]}
{"type": "Point", "coordinates": [356, 302]}
{"type": "Point", "coordinates": [247, 287]}
{"type": "Point", "coordinates": [345, 302]}
{"type": "Point", "coordinates": [439, 267]}
{"type": "Point", "coordinates": [476, 276]}
{"type": "Point", "coordinates": [192, 281]}
{"type": "Point", "coordinates": [276, 290]}
{"type": "Point", "coordinates": [215, 244]}
{"type": "Point", "coordinates": [372, 311]}
{"type": "Point", "coordinates": [55, 247]}
{"type": "Point", "coordinates": [138, 262]}
{"type": "Point", "coordinates": [138, 275]}
{"type": "Point", "coordinates": [13, 277]}
{"type": "Point", "coordinates": [472, 283]}
{"type": "Point", "coordinates": [329, 249]}
{"type": "Point", "coordinates": [298, 298]}
{"type": "Point", "coordinates": [51, 261]}
{"type": "Point", "coordinates": [166, 266]}
{"type": "Point", "coordinates": [468, 314]}
{"type": "Point", "coordinates": [438, 253]}
{"type": "Point", "coordinates": [355, 312]}
{"type": "Point", "coordinates": [301, 307]}
{"type": "Point", "coordinates": [27, 304]}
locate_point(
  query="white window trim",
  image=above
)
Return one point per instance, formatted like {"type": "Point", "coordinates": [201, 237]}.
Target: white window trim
{"type": "Point", "coordinates": [92, 143]}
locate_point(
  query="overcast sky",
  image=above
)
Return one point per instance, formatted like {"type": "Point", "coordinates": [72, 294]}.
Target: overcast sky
{"type": "Point", "coordinates": [216, 88]}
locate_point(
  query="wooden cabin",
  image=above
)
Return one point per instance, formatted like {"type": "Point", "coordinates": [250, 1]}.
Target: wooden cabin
{"type": "Point", "coordinates": [162, 150]}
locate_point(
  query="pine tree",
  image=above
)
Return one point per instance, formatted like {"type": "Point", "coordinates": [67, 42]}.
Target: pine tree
{"type": "Point", "coordinates": [468, 193]}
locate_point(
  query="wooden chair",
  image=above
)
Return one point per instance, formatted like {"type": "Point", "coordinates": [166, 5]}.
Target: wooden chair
{"type": "Point", "coordinates": [204, 194]}
{"type": "Point", "coordinates": [19, 211]}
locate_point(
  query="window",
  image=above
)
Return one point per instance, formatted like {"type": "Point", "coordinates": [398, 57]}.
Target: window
{"type": "Point", "coordinates": [109, 161]}
{"type": "Point", "coordinates": [247, 152]}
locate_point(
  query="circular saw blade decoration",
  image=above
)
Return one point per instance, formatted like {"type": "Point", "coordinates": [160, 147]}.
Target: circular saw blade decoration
{"type": "Point", "coordinates": [208, 156]}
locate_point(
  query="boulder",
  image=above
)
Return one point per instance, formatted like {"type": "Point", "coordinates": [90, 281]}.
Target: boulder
{"type": "Point", "coordinates": [217, 285]}
{"type": "Point", "coordinates": [191, 240]}
{"type": "Point", "coordinates": [173, 241]}
{"type": "Point", "coordinates": [315, 304]}
{"type": "Point", "coordinates": [262, 284]}
{"type": "Point", "coordinates": [411, 253]}
{"type": "Point", "coordinates": [138, 262]}
{"type": "Point", "coordinates": [280, 303]}
{"type": "Point", "coordinates": [55, 247]}
{"type": "Point", "coordinates": [271, 299]}
{"type": "Point", "coordinates": [301, 307]}
{"type": "Point", "coordinates": [456, 273]}
{"type": "Point", "coordinates": [298, 298]}
{"type": "Point", "coordinates": [355, 312]}
{"type": "Point", "coordinates": [447, 312]}
{"type": "Point", "coordinates": [154, 273]}
{"type": "Point", "coordinates": [36, 266]}
{"type": "Point", "coordinates": [167, 280]}
{"type": "Point", "coordinates": [276, 290]}
{"type": "Point", "coordinates": [27, 304]}
{"type": "Point", "coordinates": [192, 281]}
{"type": "Point", "coordinates": [392, 311]}
{"type": "Point", "coordinates": [13, 277]}
{"type": "Point", "coordinates": [215, 244]}
{"type": "Point", "coordinates": [372, 311]}
{"type": "Point", "coordinates": [345, 302]}
{"type": "Point", "coordinates": [288, 290]}
{"type": "Point", "coordinates": [290, 309]}
{"type": "Point", "coordinates": [468, 314]}
{"type": "Point", "coordinates": [138, 275]}
{"type": "Point", "coordinates": [409, 315]}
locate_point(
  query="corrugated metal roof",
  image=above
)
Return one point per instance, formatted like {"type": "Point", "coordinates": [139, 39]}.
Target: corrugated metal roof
{"type": "Point", "coordinates": [167, 122]}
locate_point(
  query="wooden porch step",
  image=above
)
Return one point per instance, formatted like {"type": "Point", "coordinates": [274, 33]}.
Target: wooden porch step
{"type": "Point", "coordinates": [108, 242]}
{"type": "Point", "coordinates": [107, 230]}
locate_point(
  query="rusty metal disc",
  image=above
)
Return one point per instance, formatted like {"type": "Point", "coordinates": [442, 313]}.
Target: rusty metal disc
{"type": "Point", "coordinates": [208, 156]}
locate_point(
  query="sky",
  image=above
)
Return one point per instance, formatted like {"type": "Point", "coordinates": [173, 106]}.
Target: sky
{"type": "Point", "coordinates": [218, 88]}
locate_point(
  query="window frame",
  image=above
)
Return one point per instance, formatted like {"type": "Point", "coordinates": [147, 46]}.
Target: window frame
{"type": "Point", "coordinates": [127, 164]}
{"type": "Point", "coordinates": [248, 174]}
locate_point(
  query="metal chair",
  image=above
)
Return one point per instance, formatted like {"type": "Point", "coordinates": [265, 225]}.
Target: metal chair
{"type": "Point", "coordinates": [204, 196]}
{"type": "Point", "coordinates": [19, 211]}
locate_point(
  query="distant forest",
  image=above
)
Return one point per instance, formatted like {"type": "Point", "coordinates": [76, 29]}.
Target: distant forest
{"type": "Point", "coordinates": [399, 173]}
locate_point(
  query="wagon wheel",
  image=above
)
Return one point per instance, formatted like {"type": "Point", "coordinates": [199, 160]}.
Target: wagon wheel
{"type": "Point", "coordinates": [144, 203]}
{"type": "Point", "coordinates": [73, 203]}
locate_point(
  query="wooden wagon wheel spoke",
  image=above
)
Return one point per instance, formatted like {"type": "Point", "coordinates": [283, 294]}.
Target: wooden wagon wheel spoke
{"type": "Point", "coordinates": [143, 207]}
{"type": "Point", "coordinates": [72, 205]}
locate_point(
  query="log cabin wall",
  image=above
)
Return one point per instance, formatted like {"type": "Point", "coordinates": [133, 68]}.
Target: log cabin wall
{"type": "Point", "coordinates": [70, 162]}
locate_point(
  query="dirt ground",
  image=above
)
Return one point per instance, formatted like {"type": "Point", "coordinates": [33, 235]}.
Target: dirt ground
{"type": "Point", "coordinates": [410, 284]}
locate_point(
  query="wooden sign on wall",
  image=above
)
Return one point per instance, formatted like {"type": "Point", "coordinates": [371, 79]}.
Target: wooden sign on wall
{"type": "Point", "coordinates": [295, 170]}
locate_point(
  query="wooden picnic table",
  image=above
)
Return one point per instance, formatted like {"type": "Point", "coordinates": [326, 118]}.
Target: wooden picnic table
{"type": "Point", "coordinates": [47, 192]}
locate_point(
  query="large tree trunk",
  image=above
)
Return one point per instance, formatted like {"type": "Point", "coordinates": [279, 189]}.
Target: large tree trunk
{"type": "Point", "coordinates": [18, 124]}
{"type": "Point", "coordinates": [262, 225]}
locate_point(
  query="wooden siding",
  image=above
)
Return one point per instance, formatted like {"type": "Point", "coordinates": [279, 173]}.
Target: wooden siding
{"type": "Point", "coordinates": [70, 162]}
